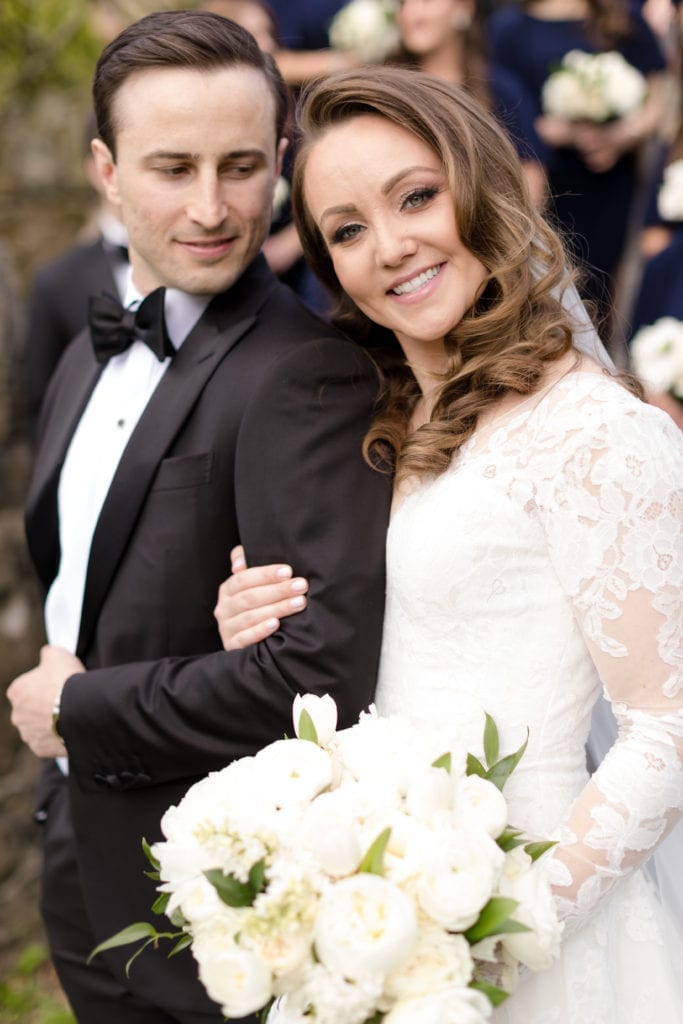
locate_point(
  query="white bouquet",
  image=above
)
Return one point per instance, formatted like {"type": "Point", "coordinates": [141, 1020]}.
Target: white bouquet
{"type": "Point", "coordinates": [362, 875]}
{"type": "Point", "coordinates": [593, 87]}
{"type": "Point", "coordinates": [657, 355]}
{"type": "Point", "coordinates": [368, 28]}
{"type": "Point", "coordinates": [670, 195]}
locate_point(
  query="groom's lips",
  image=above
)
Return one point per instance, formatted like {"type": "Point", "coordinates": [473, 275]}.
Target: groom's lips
{"type": "Point", "coordinates": [208, 248]}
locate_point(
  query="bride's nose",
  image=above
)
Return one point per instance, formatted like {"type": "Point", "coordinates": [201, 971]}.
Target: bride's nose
{"type": "Point", "coordinates": [393, 244]}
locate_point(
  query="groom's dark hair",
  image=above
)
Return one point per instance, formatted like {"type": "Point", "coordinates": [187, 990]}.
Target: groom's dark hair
{"type": "Point", "coordinates": [197, 40]}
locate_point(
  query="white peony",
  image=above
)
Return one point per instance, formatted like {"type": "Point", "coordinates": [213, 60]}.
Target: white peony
{"type": "Point", "coordinates": [323, 712]}
{"type": "Point", "coordinates": [235, 978]}
{"type": "Point", "coordinates": [452, 1006]}
{"type": "Point", "coordinates": [365, 926]}
{"type": "Point", "coordinates": [459, 874]}
{"type": "Point", "coordinates": [297, 770]}
{"type": "Point", "coordinates": [429, 791]}
{"type": "Point", "coordinates": [334, 999]}
{"type": "Point", "coordinates": [440, 960]}
{"type": "Point", "coordinates": [526, 882]}
{"type": "Point", "coordinates": [480, 802]}
{"type": "Point", "coordinates": [328, 832]}
{"type": "Point", "coordinates": [670, 195]}
{"type": "Point", "coordinates": [624, 86]}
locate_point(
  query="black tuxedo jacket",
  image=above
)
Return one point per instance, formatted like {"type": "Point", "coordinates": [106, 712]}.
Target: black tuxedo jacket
{"type": "Point", "coordinates": [58, 311]}
{"type": "Point", "coordinates": [253, 435]}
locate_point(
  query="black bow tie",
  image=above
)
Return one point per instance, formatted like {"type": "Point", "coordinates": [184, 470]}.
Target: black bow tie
{"type": "Point", "coordinates": [113, 329]}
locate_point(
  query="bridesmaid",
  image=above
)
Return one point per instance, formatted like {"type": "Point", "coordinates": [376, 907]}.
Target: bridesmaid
{"type": "Point", "coordinates": [443, 38]}
{"type": "Point", "coordinates": [593, 173]}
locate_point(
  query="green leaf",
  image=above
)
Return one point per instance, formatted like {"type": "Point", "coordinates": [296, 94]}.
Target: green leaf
{"type": "Point", "coordinates": [491, 741]}
{"type": "Point", "coordinates": [307, 730]}
{"type": "Point", "coordinates": [147, 850]}
{"type": "Point", "coordinates": [475, 767]}
{"type": "Point", "coordinates": [494, 916]}
{"type": "Point", "coordinates": [510, 839]}
{"type": "Point", "coordinates": [257, 876]}
{"type": "Point", "coordinates": [443, 762]}
{"type": "Point", "coordinates": [160, 903]}
{"type": "Point", "coordinates": [181, 944]}
{"type": "Point", "coordinates": [495, 995]}
{"type": "Point", "coordinates": [230, 889]}
{"type": "Point", "coordinates": [133, 933]}
{"type": "Point", "coordinates": [501, 771]}
{"type": "Point", "coordinates": [536, 850]}
{"type": "Point", "coordinates": [373, 861]}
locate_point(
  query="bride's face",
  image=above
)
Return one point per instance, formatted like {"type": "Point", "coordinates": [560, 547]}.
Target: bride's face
{"type": "Point", "coordinates": [380, 198]}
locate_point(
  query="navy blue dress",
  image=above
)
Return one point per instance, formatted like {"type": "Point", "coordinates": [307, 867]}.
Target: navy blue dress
{"type": "Point", "coordinates": [303, 24]}
{"type": "Point", "coordinates": [661, 286]}
{"type": "Point", "coordinates": [591, 209]}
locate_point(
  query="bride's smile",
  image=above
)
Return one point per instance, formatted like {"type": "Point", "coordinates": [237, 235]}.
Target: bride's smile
{"type": "Point", "coordinates": [381, 199]}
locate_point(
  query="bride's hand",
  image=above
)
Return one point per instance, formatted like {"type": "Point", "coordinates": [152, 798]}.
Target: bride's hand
{"type": "Point", "coordinates": [252, 602]}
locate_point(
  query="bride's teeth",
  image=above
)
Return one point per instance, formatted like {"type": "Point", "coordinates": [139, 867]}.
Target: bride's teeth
{"type": "Point", "coordinates": [415, 282]}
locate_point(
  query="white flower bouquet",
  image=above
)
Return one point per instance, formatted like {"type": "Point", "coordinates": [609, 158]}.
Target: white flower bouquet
{"type": "Point", "coordinates": [657, 355]}
{"type": "Point", "coordinates": [670, 195]}
{"type": "Point", "coordinates": [594, 87]}
{"type": "Point", "coordinates": [368, 28]}
{"type": "Point", "coordinates": [355, 876]}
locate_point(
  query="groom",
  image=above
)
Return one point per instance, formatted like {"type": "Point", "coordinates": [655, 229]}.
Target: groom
{"type": "Point", "coordinates": [236, 417]}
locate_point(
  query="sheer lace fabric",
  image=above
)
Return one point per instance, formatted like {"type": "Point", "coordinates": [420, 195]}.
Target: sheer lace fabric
{"type": "Point", "coordinates": [544, 567]}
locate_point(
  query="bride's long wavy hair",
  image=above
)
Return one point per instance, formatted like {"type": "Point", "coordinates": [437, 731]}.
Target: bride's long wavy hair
{"type": "Point", "coordinates": [517, 325]}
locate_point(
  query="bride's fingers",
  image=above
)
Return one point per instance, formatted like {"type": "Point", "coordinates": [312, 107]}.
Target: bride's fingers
{"type": "Point", "coordinates": [250, 579]}
{"type": "Point", "coordinates": [250, 627]}
{"type": "Point", "coordinates": [237, 560]}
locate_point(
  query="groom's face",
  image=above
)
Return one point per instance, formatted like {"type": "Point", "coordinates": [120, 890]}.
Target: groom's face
{"type": "Point", "coordinates": [196, 164]}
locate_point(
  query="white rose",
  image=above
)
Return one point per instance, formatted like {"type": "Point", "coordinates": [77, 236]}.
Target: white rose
{"type": "Point", "coordinates": [323, 712]}
{"type": "Point", "coordinates": [480, 801]}
{"type": "Point", "coordinates": [452, 1006]}
{"type": "Point", "coordinates": [526, 882]}
{"type": "Point", "coordinates": [365, 926]}
{"type": "Point", "coordinates": [458, 877]}
{"type": "Point", "coordinates": [440, 960]}
{"type": "Point", "coordinates": [296, 769]}
{"type": "Point", "coordinates": [328, 832]}
{"type": "Point", "coordinates": [657, 353]}
{"type": "Point", "coordinates": [235, 978]}
{"type": "Point", "coordinates": [562, 96]}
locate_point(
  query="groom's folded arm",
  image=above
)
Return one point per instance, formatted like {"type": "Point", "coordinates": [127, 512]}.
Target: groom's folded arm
{"type": "Point", "coordinates": [304, 495]}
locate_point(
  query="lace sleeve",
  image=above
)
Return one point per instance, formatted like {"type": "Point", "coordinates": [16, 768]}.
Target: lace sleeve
{"type": "Point", "coordinates": [613, 518]}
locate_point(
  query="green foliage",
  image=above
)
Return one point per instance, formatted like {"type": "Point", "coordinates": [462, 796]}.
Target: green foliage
{"type": "Point", "coordinates": [307, 730]}
{"type": "Point", "coordinates": [235, 893]}
{"type": "Point", "coordinates": [373, 861]}
{"type": "Point", "coordinates": [44, 44]}
{"type": "Point", "coordinates": [29, 993]}
{"type": "Point", "coordinates": [495, 919]}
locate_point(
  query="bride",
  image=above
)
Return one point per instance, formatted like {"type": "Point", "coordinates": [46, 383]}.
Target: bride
{"type": "Point", "coordinates": [534, 549]}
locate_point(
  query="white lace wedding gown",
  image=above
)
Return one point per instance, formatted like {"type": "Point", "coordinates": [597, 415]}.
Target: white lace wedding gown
{"type": "Point", "coordinates": [544, 566]}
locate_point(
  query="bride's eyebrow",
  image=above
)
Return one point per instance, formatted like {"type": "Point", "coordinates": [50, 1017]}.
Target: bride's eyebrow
{"type": "Point", "coordinates": [406, 172]}
{"type": "Point", "coordinates": [346, 208]}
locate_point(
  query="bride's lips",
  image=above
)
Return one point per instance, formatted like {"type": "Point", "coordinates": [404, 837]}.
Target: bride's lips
{"type": "Point", "coordinates": [208, 248]}
{"type": "Point", "coordinates": [417, 285]}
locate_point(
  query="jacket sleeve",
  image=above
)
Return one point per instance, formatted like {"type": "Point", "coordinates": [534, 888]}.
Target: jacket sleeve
{"type": "Point", "coordinates": [304, 495]}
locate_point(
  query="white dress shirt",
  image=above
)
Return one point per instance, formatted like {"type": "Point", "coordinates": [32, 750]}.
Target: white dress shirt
{"type": "Point", "coordinates": [116, 404]}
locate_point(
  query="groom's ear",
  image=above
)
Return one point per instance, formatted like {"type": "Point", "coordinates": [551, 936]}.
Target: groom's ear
{"type": "Point", "coordinates": [105, 168]}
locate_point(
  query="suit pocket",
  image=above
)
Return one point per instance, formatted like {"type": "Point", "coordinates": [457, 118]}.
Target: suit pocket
{"type": "Point", "coordinates": [184, 471]}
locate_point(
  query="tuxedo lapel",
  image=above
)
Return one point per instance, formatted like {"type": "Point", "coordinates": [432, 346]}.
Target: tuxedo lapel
{"type": "Point", "coordinates": [225, 321]}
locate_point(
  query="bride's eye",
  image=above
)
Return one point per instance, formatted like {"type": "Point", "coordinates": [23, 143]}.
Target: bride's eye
{"type": "Point", "coordinates": [418, 197]}
{"type": "Point", "coordinates": [346, 233]}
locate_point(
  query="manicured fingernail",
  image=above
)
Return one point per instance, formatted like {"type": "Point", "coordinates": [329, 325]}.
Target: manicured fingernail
{"type": "Point", "coordinates": [298, 585]}
{"type": "Point", "coordinates": [272, 623]}
{"type": "Point", "coordinates": [284, 572]}
{"type": "Point", "coordinates": [297, 602]}
{"type": "Point", "coordinates": [239, 563]}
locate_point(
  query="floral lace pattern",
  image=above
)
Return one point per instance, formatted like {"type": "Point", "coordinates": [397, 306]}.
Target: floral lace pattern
{"type": "Point", "coordinates": [544, 566]}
